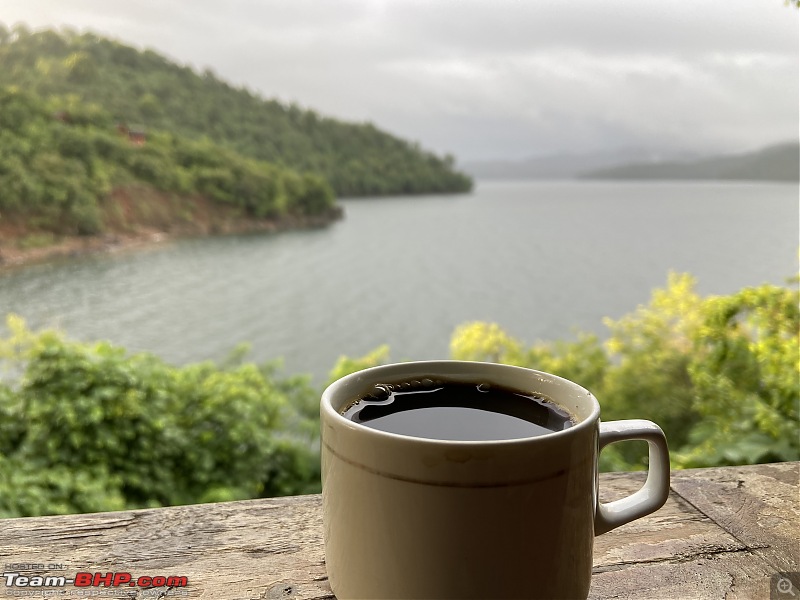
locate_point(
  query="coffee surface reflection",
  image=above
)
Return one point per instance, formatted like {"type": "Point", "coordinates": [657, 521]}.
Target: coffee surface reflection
{"type": "Point", "coordinates": [457, 411]}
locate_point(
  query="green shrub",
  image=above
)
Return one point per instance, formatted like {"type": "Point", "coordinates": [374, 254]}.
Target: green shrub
{"type": "Point", "coordinates": [138, 432]}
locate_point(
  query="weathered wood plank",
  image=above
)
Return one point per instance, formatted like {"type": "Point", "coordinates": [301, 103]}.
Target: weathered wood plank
{"type": "Point", "coordinates": [733, 575]}
{"type": "Point", "coordinates": [234, 550]}
{"type": "Point", "coordinates": [264, 549]}
{"type": "Point", "coordinates": [759, 505]}
{"type": "Point", "coordinates": [676, 533]}
{"type": "Point", "coordinates": [700, 544]}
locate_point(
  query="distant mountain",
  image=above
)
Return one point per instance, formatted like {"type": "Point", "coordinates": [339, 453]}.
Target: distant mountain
{"type": "Point", "coordinates": [565, 166]}
{"type": "Point", "coordinates": [146, 91]}
{"type": "Point", "coordinates": [774, 163]}
{"type": "Point", "coordinates": [780, 162]}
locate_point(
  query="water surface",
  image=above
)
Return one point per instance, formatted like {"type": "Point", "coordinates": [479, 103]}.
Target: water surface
{"type": "Point", "coordinates": [537, 258]}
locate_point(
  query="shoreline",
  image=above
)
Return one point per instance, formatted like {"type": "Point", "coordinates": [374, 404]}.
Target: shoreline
{"type": "Point", "coordinates": [13, 257]}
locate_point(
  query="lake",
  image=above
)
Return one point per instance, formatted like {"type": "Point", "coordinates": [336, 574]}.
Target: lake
{"type": "Point", "coordinates": [538, 258]}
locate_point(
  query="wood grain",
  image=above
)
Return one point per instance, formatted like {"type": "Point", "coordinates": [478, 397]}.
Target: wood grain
{"type": "Point", "coordinates": [255, 549]}
{"type": "Point", "coordinates": [723, 533]}
{"type": "Point", "coordinates": [758, 505]}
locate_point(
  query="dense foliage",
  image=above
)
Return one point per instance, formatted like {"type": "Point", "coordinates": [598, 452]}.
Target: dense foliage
{"type": "Point", "coordinates": [89, 427]}
{"type": "Point", "coordinates": [721, 375]}
{"type": "Point", "coordinates": [57, 168]}
{"type": "Point", "coordinates": [86, 427]}
{"type": "Point", "coordinates": [143, 87]}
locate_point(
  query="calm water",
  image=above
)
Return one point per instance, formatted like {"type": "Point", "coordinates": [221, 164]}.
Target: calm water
{"type": "Point", "coordinates": [537, 258]}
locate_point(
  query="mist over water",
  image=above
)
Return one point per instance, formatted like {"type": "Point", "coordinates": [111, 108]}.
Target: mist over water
{"type": "Point", "coordinates": [538, 258]}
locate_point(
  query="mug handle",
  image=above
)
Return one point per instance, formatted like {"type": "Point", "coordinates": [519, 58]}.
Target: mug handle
{"type": "Point", "coordinates": [655, 490]}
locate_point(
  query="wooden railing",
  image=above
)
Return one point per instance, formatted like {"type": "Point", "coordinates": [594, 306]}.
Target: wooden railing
{"type": "Point", "coordinates": [724, 532]}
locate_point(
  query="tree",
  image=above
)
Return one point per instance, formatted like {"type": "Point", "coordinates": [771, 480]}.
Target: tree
{"type": "Point", "coordinates": [650, 350]}
{"type": "Point", "coordinates": [81, 67]}
{"type": "Point", "coordinates": [745, 372]}
{"type": "Point", "coordinates": [149, 105]}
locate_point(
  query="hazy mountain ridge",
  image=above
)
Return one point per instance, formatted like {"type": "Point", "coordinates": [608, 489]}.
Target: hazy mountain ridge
{"type": "Point", "coordinates": [777, 162]}
{"type": "Point", "coordinates": [566, 165]}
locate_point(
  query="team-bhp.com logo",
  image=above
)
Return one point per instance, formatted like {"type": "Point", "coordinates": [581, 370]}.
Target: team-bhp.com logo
{"type": "Point", "coordinates": [89, 580]}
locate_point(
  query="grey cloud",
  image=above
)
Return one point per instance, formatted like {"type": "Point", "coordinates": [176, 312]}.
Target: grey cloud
{"type": "Point", "coordinates": [479, 26]}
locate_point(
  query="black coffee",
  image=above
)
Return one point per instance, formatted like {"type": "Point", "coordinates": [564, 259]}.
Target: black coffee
{"type": "Point", "coordinates": [446, 410]}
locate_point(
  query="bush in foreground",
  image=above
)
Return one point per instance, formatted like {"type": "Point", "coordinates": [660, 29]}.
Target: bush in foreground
{"type": "Point", "coordinates": [89, 427]}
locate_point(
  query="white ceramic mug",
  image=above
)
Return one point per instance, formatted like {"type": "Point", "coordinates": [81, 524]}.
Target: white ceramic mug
{"type": "Point", "coordinates": [408, 517]}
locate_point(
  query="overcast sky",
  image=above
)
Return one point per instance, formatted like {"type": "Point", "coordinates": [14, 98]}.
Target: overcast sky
{"type": "Point", "coordinates": [488, 78]}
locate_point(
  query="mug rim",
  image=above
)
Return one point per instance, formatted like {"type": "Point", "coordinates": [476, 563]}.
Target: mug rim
{"type": "Point", "coordinates": [434, 367]}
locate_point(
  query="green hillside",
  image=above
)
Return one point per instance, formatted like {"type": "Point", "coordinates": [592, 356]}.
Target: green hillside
{"type": "Point", "coordinates": [145, 89]}
{"type": "Point", "coordinates": [780, 162]}
{"type": "Point", "coordinates": [71, 172]}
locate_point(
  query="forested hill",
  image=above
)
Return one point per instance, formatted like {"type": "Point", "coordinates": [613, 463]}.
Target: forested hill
{"type": "Point", "coordinates": [76, 172]}
{"type": "Point", "coordinates": [148, 90]}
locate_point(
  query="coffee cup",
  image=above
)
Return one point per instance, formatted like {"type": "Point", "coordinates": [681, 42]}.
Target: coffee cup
{"type": "Point", "coordinates": [423, 513]}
